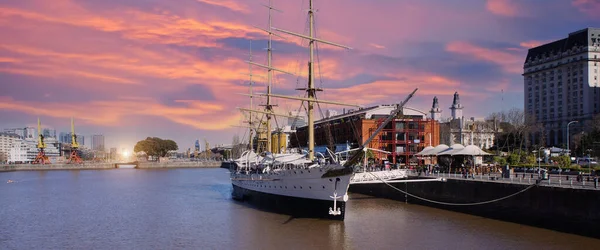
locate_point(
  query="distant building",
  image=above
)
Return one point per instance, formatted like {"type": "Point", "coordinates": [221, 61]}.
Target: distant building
{"type": "Point", "coordinates": [49, 133]}
{"type": "Point", "coordinates": [98, 142]}
{"type": "Point", "coordinates": [6, 142]}
{"type": "Point", "coordinates": [113, 153]}
{"type": "Point", "coordinates": [67, 138]}
{"type": "Point", "coordinates": [458, 130]}
{"type": "Point", "coordinates": [25, 151]}
{"type": "Point", "coordinates": [24, 133]}
{"type": "Point", "coordinates": [561, 84]}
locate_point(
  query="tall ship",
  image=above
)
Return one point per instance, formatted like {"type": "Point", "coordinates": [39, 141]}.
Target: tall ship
{"type": "Point", "coordinates": [298, 184]}
{"type": "Point", "coordinates": [304, 183]}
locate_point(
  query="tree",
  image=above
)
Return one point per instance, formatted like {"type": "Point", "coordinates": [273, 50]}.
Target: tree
{"type": "Point", "coordinates": [154, 146]}
{"type": "Point", "coordinates": [563, 161]}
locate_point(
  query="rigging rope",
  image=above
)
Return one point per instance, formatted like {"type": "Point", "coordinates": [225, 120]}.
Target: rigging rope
{"type": "Point", "coordinates": [453, 204]}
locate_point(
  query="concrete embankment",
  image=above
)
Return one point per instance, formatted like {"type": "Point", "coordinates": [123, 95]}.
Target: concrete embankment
{"type": "Point", "coordinates": [570, 210]}
{"type": "Point", "coordinates": [199, 164]}
{"type": "Point", "coordinates": [96, 166]}
{"type": "Point", "coordinates": [36, 167]}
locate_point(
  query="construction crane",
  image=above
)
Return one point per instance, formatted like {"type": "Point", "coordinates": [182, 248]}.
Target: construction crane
{"type": "Point", "coordinates": [74, 158]}
{"type": "Point", "coordinates": [41, 158]}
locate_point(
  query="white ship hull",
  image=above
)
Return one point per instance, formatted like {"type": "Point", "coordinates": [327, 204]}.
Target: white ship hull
{"type": "Point", "coordinates": [302, 192]}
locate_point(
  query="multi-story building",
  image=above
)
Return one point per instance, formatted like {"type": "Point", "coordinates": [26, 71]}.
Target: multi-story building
{"type": "Point", "coordinates": [6, 142]}
{"type": "Point", "coordinates": [98, 142]}
{"type": "Point", "coordinates": [49, 133]}
{"type": "Point", "coordinates": [403, 137]}
{"type": "Point", "coordinates": [67, 138]}
{"type": "Point", "coordinates": [24, 133]}
{"type": "Point", "coordinates": [561, 85]}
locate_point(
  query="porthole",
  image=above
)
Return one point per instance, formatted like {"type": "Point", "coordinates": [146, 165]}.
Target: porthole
{"type": "Point", "coordinates": [309, 187]}
{"type": "Point", "coordinates": [301, 172]}
{"type": "Point", "coordinates": [294, 186]}
{"type": "Point", "coordinates": [330, 180]}
{"type": "Point", "coordinates": [323, 187]}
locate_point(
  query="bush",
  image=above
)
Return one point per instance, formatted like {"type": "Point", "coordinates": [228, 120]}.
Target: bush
{"type": "Point", "coordinates": [500, 160]}
{"type": "Point", "coordinates": [514, 159]}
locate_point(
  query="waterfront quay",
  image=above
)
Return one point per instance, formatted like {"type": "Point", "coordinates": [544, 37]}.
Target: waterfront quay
{"type": "Point", "coordinates": [553, 203]}
{"type": "Point", "coordinates": [113, 165]}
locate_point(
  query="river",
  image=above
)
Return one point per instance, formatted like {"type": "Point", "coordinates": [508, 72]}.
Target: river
{"type": "Point", "coordinates": [193, 209]}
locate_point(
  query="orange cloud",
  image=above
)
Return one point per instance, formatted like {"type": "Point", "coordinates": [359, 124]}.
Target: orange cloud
{"type": "Point", "coordinates": [531, 44]}
{"type": "Point", "coordinates": [161, 27]}
{"type": "Point", "coordinates": [511, 63]}
{"type": "Point", "coordinates": [232, 5]}
{"type": "Point", "coordinates": [377, 91]}
{"type": "Point", "coordinates": [507, 8]}
{"type": "Point", "coordinates": [196, 114]}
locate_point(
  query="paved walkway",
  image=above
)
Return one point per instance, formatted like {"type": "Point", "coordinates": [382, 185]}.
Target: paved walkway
{"type": "Point", "coordinates": [566, 181]}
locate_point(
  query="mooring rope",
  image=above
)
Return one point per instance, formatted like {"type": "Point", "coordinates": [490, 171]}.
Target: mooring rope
{"type": "Point", "coordinates": [454, 204]}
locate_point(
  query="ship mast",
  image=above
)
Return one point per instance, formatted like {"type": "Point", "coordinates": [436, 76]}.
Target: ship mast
{"type": "Point", "coordinates": [251, 97]}
{"type": "Point", "coordinates": [269, 106]}
{"type": "Point", "coordinates": [311, 90]}
{"type": "Point", "coordinates": [311, 84]}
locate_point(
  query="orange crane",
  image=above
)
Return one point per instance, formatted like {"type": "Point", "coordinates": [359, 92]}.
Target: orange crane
{"type": "Point", "coordinates": [74, 158]}
{"type": "Point", "coordinates": [41, 158]}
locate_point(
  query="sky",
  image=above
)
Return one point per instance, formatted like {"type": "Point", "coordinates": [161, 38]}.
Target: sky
{"type": "Point", "coordinates": [129, 69]}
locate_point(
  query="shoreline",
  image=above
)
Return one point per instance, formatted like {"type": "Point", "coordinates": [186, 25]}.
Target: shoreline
{"type": "Point", "coordinates": [101, 166]}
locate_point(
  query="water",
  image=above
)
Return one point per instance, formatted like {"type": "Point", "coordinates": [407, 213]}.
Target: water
{"type": "Point", "coordinates": [192, 209]}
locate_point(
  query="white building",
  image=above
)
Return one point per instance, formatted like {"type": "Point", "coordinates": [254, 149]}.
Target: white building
{"type": "Point", "coordinates": [25, 151]}
{"type": "Point", "coordinates": [459, 130]}
{"type": "Point", "coordinates": [6, 142]}
{"type": "Point", "coordinates": [22, 151]}
{"type": "Point", "coordinates": [561, 85]}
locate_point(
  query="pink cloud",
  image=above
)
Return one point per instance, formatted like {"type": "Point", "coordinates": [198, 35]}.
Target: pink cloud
{"type": "Point", "coordinates": [589, 7]}
{"type": "Point", "coordinates": [508, 8]}
{"type": "Point", "coordinates": [531, 44]}
{"type": "Point", "coordinates": [232, 5]}
{"type": "Point", "coordinates": [510, 62]}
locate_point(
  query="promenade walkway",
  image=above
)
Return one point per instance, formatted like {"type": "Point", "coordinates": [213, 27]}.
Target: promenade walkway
{"type": "Point", "coordinates": [564, 181]}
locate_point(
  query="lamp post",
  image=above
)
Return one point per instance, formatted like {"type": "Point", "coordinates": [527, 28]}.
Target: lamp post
{"type": "Point", "coordinates": [589, 160]}
{"type": "Point", "coordinates": [539, 160]}
{"type": "Point", "coordinates": [568, 142]}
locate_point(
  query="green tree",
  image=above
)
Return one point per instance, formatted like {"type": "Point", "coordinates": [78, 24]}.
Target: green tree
{"type": "Point", "coordinates": [514, 159]}
{"type": "Point", "coordinates": [500, 160]}
{"type": "Point", "coordinates": [154, 146]}
{"type": "Point", "coordinates": [528, 159]}
{"type": "Point", "coordinates": [563, 161]}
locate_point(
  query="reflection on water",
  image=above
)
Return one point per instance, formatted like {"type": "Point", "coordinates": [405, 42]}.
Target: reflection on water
{"type": "Point", "coordinates": [192, 208]}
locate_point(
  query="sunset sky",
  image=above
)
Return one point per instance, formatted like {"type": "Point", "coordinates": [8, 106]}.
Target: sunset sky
{"type": "Point", "coordinates": [129, 69]}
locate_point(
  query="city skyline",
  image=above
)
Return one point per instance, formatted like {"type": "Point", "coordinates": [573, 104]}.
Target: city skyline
{"type": "Point", "coordinates": [131, 69]}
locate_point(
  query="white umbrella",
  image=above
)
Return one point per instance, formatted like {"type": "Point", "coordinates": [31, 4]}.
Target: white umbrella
{"type": "Point", "coordinates": [471, 150]}
{"type": "Point", "coordinates": [455, 148]}
{"type": "Point", "coordinates": [425, 151]}
{"type": "Point", "coordinates": [437, 149]}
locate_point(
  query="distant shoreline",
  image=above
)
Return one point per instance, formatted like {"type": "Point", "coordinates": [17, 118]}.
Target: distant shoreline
{"type": "Point", "coordinates": [99, 166]}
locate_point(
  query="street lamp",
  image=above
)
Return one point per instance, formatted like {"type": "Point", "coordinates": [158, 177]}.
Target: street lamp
{"type": "Point", "coordinates": [539, 159]}
{"type": "Point", "coordinates": [568, 142]}
{"type": "Point", "coordinates": [589, 160]}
